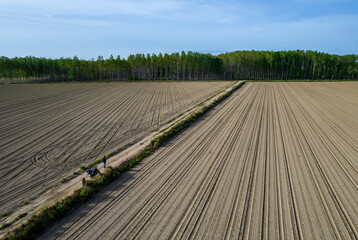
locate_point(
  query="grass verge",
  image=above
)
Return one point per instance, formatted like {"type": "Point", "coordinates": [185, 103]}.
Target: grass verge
{"type": "Point", "coordinates": [6, 214]}
{"type": "Point", "coordinates": [13, 221]}
{"type": "Point", "coordinates": [39, 222]}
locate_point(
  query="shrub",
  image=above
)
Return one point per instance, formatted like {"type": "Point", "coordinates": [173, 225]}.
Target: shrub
{"type": "Point", "coordinates": [13, 221]}
{"type": "Point", "coordinates": [6, 214]}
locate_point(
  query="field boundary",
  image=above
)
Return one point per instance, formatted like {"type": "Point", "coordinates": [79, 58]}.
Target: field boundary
{"type": "Point", "coordinates": [302, 80]}
{"type": "Point", "coordinates": [54, 205]}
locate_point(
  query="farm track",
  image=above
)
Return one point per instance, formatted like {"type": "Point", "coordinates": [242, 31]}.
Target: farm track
{"type": "Point", "coordinates": [47, 131]}
{"type": "Point", "coordinates": [273, 161]}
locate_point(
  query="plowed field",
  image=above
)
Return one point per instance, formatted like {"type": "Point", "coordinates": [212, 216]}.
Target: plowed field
{"type": "Point", "coordinates": [47, 131]}
{"type": "Point", "coordinates": [273, 161]}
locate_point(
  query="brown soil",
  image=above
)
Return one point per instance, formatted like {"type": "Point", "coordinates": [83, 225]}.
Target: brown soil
{"type": "Point", "coordinates": [274, 161]}
{"type": "Point", "coordinates": [47, 131]}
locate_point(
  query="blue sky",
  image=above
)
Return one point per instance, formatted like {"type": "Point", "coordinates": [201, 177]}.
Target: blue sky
{"type": "Point", "coordinates": [54, 29]}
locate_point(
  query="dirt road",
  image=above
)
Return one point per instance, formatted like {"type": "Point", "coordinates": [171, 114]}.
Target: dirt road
{"type": "Point", "coordinates": [47, 131]}
{"type": "Point", "coordinates": [274, 161]}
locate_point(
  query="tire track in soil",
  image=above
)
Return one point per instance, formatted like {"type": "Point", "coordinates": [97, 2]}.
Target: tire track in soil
{"type": "Point", "coordinates": [254, 167]}
{"type": "Point", "coordinates": [327, 182]}
{"type": "Point", "coordinates": [145, 172]}
{"type": "Point", "coordinates": [29, 188]}
{"type": "Point", "coordinates": [156, 192]}
{"type": "Point", "coordinates": [212, 187]}
{"type": "Point", "coordinates": [128, 104]}
{"type": "Point", "coordinates": [302, 143]}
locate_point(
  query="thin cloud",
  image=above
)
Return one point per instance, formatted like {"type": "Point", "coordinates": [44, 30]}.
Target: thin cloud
{"type": "Point", "coordinates": [161, 9]}
{"type": "Point", "coordinates": [90, 8]}
{"type": "Point", "coordinates": [88, 28]}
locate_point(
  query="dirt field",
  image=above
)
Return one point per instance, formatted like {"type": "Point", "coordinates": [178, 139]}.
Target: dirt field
{"type": "Point", "coordinates": [274, 161]}
{"type": "Point", "coordinates": [47, 131]}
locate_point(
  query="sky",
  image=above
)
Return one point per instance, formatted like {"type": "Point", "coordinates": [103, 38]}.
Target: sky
{"type": "Point", "coordinates": [89, 28]}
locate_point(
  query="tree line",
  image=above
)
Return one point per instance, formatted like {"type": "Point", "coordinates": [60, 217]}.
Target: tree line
{"type": "Point", "coordinates": [250, 65]}
{"type": "Point", "coordinates": [289, 65]}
